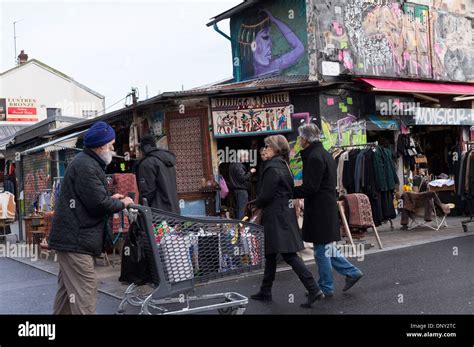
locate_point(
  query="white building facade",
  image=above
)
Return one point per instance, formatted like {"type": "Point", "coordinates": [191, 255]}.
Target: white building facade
{"type": "Point", "coordinates": [34, 91]}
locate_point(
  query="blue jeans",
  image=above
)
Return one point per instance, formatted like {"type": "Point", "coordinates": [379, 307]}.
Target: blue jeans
{"type": "Point", "coordinates": [241, 199]}
{"type": "Point", "coordinates": [334, 259]}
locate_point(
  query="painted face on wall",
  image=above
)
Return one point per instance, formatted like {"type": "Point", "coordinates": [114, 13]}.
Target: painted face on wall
{"type": "Point", "coordinates": [452, 63]}
{"type": "Point", "coordinates": [263, 47]}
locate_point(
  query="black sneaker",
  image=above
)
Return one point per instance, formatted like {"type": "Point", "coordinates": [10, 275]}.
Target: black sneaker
{"type": "Point", "coordinates": [326, 295]}
{"type": "Point", "coordinates": [350, 281]}
{"type": "Point", "coordinates": [261, 297]}
{"type": "Point", "coordinates": [312, 298]}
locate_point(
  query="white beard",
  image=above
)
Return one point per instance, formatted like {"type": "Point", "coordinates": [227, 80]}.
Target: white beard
{"type": "Point", "coordinates": [107, 156]}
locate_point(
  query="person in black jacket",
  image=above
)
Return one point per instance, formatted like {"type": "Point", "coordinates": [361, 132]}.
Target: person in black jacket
{"type": "Point", "coordinates": [239, 182]}
{"type": "Point", "coordinates": [156, 176]}
{"type": "Point", "coordinates": [321, 217]}
{"type": "Point", "coordinates": [264, 158]}
{"type": "Point", "coordinates": [80, 224]}
{"type": "Point", "coordinates": [279, 220]}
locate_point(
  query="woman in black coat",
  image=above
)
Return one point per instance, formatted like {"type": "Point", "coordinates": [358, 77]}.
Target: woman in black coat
{"type": "Point", "coordinates": [279, 220]}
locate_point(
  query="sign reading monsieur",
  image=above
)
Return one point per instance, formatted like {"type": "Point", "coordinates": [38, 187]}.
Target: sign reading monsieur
{"type": "Point", "coordinates": [444, 116]}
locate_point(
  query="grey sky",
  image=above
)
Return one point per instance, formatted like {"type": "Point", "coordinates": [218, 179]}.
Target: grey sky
{"type": "Point", "coordinates": [111, 46]}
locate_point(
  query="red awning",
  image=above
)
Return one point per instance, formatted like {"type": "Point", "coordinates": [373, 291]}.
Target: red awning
{"type": "Point", "coordinates": [419, 87]}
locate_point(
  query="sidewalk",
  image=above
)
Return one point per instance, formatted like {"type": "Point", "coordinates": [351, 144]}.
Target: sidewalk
{"type": "Point", "coordinates": [391, 239]}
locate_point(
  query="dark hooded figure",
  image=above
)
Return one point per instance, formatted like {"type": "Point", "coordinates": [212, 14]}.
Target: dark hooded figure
{"type": "Point", "coordinates": [156, 176]}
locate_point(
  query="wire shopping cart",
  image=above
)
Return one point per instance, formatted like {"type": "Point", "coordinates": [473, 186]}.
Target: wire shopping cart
{"type": "Point", "coordinates": [182, 252]}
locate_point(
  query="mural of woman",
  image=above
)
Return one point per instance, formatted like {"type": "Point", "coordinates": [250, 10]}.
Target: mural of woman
{"type": "Point", "coordinates": [256, 45]}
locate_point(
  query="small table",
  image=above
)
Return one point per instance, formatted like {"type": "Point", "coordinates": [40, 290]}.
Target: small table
{"type": "Point", "coordinates": [442, 189]}
{"type": "Point", "coordinates": [34, 228]}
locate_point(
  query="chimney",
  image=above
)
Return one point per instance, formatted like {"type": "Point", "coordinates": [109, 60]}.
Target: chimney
{"type": "Point", "coordinates": [22, 58]}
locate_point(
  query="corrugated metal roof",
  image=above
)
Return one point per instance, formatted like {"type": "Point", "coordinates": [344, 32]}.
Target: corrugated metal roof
{"type": "Point", "coordinates": [273, 81]}
{"type": "Point", "coordinates": [219, 89]}
{"type": "Point", "coordinates": [7, 131]}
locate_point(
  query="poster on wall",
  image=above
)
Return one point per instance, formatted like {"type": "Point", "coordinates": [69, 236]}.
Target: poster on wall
{"type": "Point", "coordinates": [246, 116]}
{"type": "Point", "coordinates": [156, 124]}
{"type": "Point", "coordinates": [343, 132]}
{"type": "Point", "coordinates": [21, 110]}
{"type": "Point", "coordinates": [296, 162]}
{"type": "Point", "coordinates": [270, 40]}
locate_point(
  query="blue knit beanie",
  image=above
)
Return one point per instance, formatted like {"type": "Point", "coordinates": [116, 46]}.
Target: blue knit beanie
{"type": "Point", "coordinates": [98, 135]}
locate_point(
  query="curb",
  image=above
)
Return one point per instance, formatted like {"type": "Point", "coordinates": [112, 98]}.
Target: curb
{"type": "Point", "coordinates": [282, 268]}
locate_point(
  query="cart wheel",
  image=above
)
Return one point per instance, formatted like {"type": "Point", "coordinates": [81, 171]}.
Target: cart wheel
{"type": "Point", "coordinates": [138, 296]}
{"type": "Point", "coordinates": [231, 311]}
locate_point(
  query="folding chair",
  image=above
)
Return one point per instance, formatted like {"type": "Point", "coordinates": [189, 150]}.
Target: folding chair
{"type": "Point", "coordinates": [436, 224]}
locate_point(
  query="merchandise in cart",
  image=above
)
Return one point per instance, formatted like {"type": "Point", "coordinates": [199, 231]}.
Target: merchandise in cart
{"type": "Point", "coordinates": [181, 252]}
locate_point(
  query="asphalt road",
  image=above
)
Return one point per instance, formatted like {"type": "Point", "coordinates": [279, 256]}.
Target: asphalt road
{"type": "Point", "coordinates": [435, 278]}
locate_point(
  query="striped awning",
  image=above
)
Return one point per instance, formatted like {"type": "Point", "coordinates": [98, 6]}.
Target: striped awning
{"type": "Point", "coordinates": [68, 141]}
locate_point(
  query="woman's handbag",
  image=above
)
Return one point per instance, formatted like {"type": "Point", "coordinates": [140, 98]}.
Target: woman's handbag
{"type": "Point", "coordinates": [256, 214]}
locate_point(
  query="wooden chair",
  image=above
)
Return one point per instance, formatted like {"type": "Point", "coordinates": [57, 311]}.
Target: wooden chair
{"type": "Point", "coordinates": [418, 161]}
{"type": "Point", "coordinates": [345, 224]}
{"type": "Point", "coordinates": [43, 245]}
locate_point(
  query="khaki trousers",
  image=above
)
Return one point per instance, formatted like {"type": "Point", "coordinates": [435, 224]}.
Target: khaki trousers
{"type": "Point", "coordinates": [77, 284]}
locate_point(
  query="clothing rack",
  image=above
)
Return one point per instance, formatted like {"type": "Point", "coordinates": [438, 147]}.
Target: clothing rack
{"type": "Point", "coordinates": [365, 145]}
{"type": "Point", "coordinates": [464, 223]}
{"type": "Point", "coordinates": [368, 144]}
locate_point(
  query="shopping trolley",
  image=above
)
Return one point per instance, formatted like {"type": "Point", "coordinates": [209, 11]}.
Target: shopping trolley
{"type": "Point", "coordinates": [181, 252]}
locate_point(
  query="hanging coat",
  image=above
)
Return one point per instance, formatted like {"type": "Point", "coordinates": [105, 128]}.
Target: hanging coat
{"type": "Point", "coordinates": [321, 217]}
{"type": "Point", "coordinates": [279, 217]}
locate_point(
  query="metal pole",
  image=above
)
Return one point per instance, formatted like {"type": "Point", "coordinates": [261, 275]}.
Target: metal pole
{"type": "Point", "coordinates": [135, 117]}
{"type": "Point", "coordinates": [21, 198]}
{"type": "Point", "coordinates": [237, 69]}
{"type": "Point", "coordinates": [14, 38]}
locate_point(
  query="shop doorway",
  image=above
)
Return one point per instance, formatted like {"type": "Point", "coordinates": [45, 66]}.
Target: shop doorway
{"type": "Point", "coordinates": [385, 138]}
{"type": "Point", "coordinates": [437, 143]}
{"type": "Point", "coordinates": [227, 151]}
